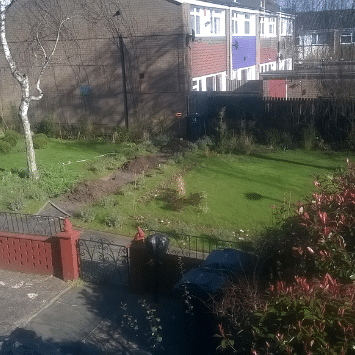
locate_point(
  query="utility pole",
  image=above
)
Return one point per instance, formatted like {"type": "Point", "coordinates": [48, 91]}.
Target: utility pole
{"type": "Point", "coordinates": [124, 80]}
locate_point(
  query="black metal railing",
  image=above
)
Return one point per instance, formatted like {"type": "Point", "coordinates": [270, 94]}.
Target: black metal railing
{"type": "Point", "coordinates": [31, 224]}
{"type": "Point", "coordinates": [101, 261]}
{"type": "Point", "coordinates": [197, 247]}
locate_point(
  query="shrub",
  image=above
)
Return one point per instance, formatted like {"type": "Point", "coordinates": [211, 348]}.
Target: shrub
{"type": "Point", "coordinates": [5, 147]}
{"type": "Point", "coordinates": [47, 127]}
{"type": "Point", "coordinates": [329, 216]}
{"type": "Point", "coordinates": [161, 140]}
{"type": "Point", "coordinates": [87, 214]}
{"type": "Point", "coordinates": [14, 134]}
{"type": "Point", "coordinates": [107, 202]}
{"type": "Point", "coordinates": [273, 137]}
{"type": "Point", "coordinates": [16, 204]}
{"type": "Point", "coordinates": [113, 220]}
{"type": "Point", "coordinates": [40, 141]}
{"type": "Point", "coordinates": [204, 143]}
{"type": "Point", "coordinates": [11, 140]}
{"type": "Point", "coordinates": [309, 317]}
{"type": "Point", "coordinates": [11, 137]}
{"type": "Point", "coordinates": [33, 191]}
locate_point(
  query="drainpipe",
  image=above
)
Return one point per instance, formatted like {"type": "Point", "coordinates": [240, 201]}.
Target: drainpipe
{"type": "Point", "coordinates": [124, 80]}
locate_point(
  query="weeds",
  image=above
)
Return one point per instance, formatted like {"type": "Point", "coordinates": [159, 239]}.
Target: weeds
{"type": "Point", "coordinates": [154, 324]}
{"type": "Point", "coordinates": [87, 214]}
{"type": "Point", "coordinates": [113, 220]}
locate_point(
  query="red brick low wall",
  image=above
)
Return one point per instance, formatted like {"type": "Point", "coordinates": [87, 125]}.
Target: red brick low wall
{"type": "Point", "coordinates": [41, 255]}
{"type": "Point", "coordinates": [26, 253]}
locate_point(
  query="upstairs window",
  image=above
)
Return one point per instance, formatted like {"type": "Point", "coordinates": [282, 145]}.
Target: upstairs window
{"type": "Point", "coordinates": [247, 24]}
{"type": "Point", "coordinates": [262, 27]}
{"type": "Point", "coordinates": [289, 29]}
{"type": "Point", "coordinates": [195, 20]}
{"type": "Point", "coordinates": [283, 29]}
{"type": "Point", "coordinates": [216, 21]}
{"type": "Point", "coordinates": [234, 23]}
{"type": "Point", "coordinates": [272, 22]}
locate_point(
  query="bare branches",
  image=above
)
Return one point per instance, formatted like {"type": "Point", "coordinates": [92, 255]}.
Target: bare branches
{"type": "Point", "coordinates": [47, 57]}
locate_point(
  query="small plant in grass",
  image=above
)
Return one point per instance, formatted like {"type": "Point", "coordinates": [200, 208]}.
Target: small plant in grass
{"type": "Point", "coordinates": [161, 140]}
{"type": "Point", "coordinates": [87, 214]}
{"type": "Point", "coordinates": [5, 147]}
{"type": "Point", "coordinates": [17, 203]}
{"type": "Point", "coordinates": [96, 166]}
{"type": "Point", "coordinates": [33, 191]}
{"type": "Point", "coordinates": [312, 139]}
{"type": "Point", "coordinates": [205, 143]}
{"type": "Point", "coordinates": [113, 220]}
{"type": "Point", "coordinates": [138, 181]}
{"type": "Point", "coordinates": [308, 317]}
{"type": "Point", "coordinates": [108, 202]}
{"type": "Point", "coordinates": [40, 141]}
{"type": "Point", "coordinates": [150, 224]}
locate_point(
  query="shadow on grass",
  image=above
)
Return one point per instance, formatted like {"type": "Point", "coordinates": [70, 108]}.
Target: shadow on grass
{"type": "Point", "coordinates": [254, 196]}
{"type": "Point", "coordinates": [265, 157]}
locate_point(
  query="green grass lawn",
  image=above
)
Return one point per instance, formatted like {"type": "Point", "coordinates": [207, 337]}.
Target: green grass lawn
{"type": "Point", "coordinates": [71, 154]}
{"type": "Point", "coordinates": [241, 191]}
{"type": "Point", "coordinates": [61, 164]}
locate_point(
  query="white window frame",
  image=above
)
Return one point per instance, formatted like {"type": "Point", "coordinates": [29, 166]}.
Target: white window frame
{"type": "Point", "coordinates": [289, 28]}
{"type": "Point", "coordinates": [247, 24]}
{"type": "Point", "coordinates": [349, 34]}
{"type": "Point", "coordinates": [234, 22]}
{"type": "Point", "coordinates": [218, 79]}
{"type": "Point", "coordinates": [272, 25]}
{"type": "Point", "coordinates": [196, 84]}
{"type": "Point", "coordinates": [262, 25]}
{"type": "Point", "coordinates": [195, 18]}
{"type": "Point", "coordinates": [216, 15]}
{"type": "Point", "coordinates": [283, 26]}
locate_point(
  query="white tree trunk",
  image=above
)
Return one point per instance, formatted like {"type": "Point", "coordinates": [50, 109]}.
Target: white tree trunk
{"type": "Point", "coordinates": [25, 103]}
{"type": "Point", "coordinates": [25, 93]}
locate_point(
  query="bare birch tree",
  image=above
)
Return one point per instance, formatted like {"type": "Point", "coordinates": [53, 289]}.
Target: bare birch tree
{"type": "Point", "coordinates": [23, 77]}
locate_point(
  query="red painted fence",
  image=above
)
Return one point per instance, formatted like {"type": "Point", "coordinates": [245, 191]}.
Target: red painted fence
{"type": "Point", "coordinates": [37, 254]}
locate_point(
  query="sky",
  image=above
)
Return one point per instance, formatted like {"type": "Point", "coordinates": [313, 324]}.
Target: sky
{"type": "Point", "coordinates": [316, 5]}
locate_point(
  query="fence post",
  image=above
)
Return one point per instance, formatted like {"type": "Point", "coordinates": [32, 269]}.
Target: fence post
{"type": "Point", "coordinates": [68, 251]}
{"type": "Point", "coordinates": [138, 258]}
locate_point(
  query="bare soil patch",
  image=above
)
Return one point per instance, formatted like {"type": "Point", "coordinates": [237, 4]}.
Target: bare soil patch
{"type": "Point", "coordinates": [91, 191]}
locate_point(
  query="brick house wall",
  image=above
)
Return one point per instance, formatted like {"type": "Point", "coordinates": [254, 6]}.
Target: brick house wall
{"type": "Point", "coordinates": [268, 50]}
{"type": "Point", "coordinates": [208, 57]}
{"type": "Point", "coordinates": [83, 82]}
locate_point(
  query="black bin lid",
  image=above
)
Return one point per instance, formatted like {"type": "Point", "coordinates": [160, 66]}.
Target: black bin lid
{"type": "Point", "coordinates": [157, 245]}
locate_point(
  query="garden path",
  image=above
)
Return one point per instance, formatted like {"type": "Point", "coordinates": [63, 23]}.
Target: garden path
{"type": "Point", "coordinates": [88, 192]}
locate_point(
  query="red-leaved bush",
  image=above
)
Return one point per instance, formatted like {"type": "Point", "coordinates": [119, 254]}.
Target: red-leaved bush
{"type": "Point", "coordinates": [307, 317]}
{"type": "Point", "coordinates": [310, 309]}
{"type": "Point", "coordinates": [329, 218]}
